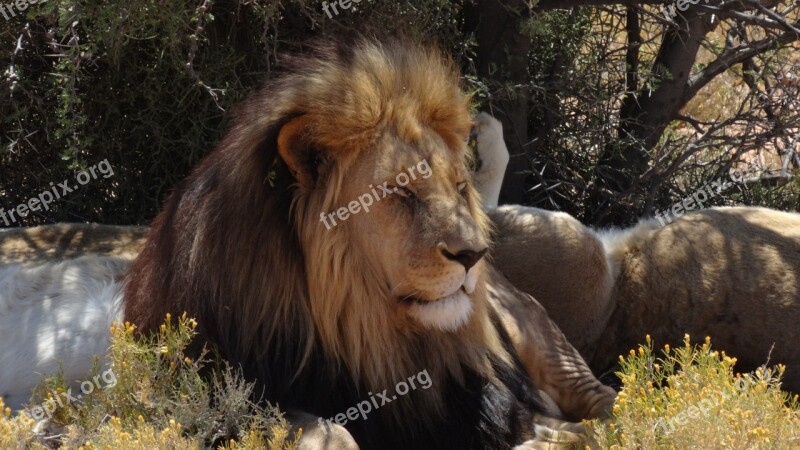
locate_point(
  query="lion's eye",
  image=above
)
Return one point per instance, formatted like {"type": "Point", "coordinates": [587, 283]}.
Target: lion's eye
{"type": "Point", "coordinates": [404, 192]}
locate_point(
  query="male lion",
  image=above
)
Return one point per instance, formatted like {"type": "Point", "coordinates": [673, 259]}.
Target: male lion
{"type": "Point", "coordinates": [323, 318]}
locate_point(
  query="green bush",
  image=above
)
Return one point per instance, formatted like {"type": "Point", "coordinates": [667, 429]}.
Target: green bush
{"type": "Point", "coordinates": [146, 84]}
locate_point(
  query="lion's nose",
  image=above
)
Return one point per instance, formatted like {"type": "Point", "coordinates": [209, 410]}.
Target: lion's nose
{"type": "Point", "coordinates": [467, 258]}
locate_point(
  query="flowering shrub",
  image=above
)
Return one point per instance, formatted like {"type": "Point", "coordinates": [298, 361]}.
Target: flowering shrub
{"type": "Point", "coordinates": [161, 399]}
{"type": "Point", "coordinates": [690, 397]}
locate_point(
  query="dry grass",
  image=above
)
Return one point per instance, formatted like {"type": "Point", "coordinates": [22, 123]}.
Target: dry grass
{"type": "Point", "coordinates": [690, 397]}
{"type": "Point", "coordinates": [154, 396]}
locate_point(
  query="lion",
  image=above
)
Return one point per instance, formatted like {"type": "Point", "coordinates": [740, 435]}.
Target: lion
{"type": "Point", "coordinates": [731, 273]}
{"type": "Point", "coordinates": [323, 317]}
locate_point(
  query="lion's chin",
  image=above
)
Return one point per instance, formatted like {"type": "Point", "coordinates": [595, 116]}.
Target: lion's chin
{"type": "Point", "coordinates": [447, 313]}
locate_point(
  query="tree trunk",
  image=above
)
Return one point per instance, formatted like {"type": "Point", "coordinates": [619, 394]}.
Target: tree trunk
{"type": "Point", "coordinates": [644, 120]}
{"type": "Point", "coordinates": [502, 57]}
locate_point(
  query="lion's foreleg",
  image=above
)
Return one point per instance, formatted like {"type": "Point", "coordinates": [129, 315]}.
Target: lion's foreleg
{"type": "Point", "coordinates": [552, 434]}
{"type": "Point", "coordinates": [553, 363]}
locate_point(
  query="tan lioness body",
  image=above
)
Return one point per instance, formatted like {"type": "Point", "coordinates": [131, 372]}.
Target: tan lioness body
{"type": "Point", "coordinates": [729, 273]}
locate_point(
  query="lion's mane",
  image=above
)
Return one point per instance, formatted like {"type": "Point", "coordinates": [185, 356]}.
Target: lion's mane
{"type": "Point", "coordinates": [234, 248]}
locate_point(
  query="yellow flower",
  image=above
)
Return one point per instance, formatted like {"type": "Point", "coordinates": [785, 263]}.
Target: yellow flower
{"type": "Point", "coordinates": [758, 432]}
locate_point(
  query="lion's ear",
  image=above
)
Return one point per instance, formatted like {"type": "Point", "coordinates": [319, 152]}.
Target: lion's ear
{"type": "Point", "coordinates": [298, 151]}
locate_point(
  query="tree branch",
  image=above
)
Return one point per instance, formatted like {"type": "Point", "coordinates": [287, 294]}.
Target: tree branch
{"type": "Point", "coordinates": [544, 5]}
{"type": "Point", "coordinates": [731, 58]}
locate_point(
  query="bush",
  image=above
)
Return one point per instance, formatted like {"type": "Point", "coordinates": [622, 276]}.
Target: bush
{"type": "Point", "coordinates": [691, 398]}
{"type": "Point", "coordinates": [147, 85]}
{"type": "Point", "coordinates": [153, 396]}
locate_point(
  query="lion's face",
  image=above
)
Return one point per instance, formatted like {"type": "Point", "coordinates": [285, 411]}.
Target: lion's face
{"type": "Point", "coordinates": [423, 232]}
{"type": "Point", "coordinates": [395, 116]}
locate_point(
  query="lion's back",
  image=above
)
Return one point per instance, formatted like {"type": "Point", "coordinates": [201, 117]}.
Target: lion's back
{"type": "Point", "coordinates": [729, 273]}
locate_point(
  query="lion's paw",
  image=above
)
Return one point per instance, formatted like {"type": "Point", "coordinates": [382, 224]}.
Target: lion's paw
{"type": "Point", "coordinates": [492, 156]}
{"type": "Point", "coordinates": [485, 125]}
{"type": "Point", "coordinates": [327, 437]}
{"type": "Point", "coordinates": [488, 133]}
{"type": "Point", "coordinates": [554, 434]}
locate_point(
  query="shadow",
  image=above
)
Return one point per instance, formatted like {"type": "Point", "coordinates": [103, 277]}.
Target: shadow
{"type": "Point", "coordinates": [55, 306]}
{"type": "Point", "coordinates": [731, 274]}
{"type": "Point", "coordinates": [66, 241]}
{"type": "Point", "coordinates": [55, 316]}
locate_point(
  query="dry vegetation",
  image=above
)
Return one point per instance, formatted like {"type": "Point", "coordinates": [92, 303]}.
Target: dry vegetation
{"type": "Point", "coordinates": [159, 400]}
{"type": "Point", "coordinates": [688, 397]}
{"type": "Point", "coordinates": [691, 397]}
